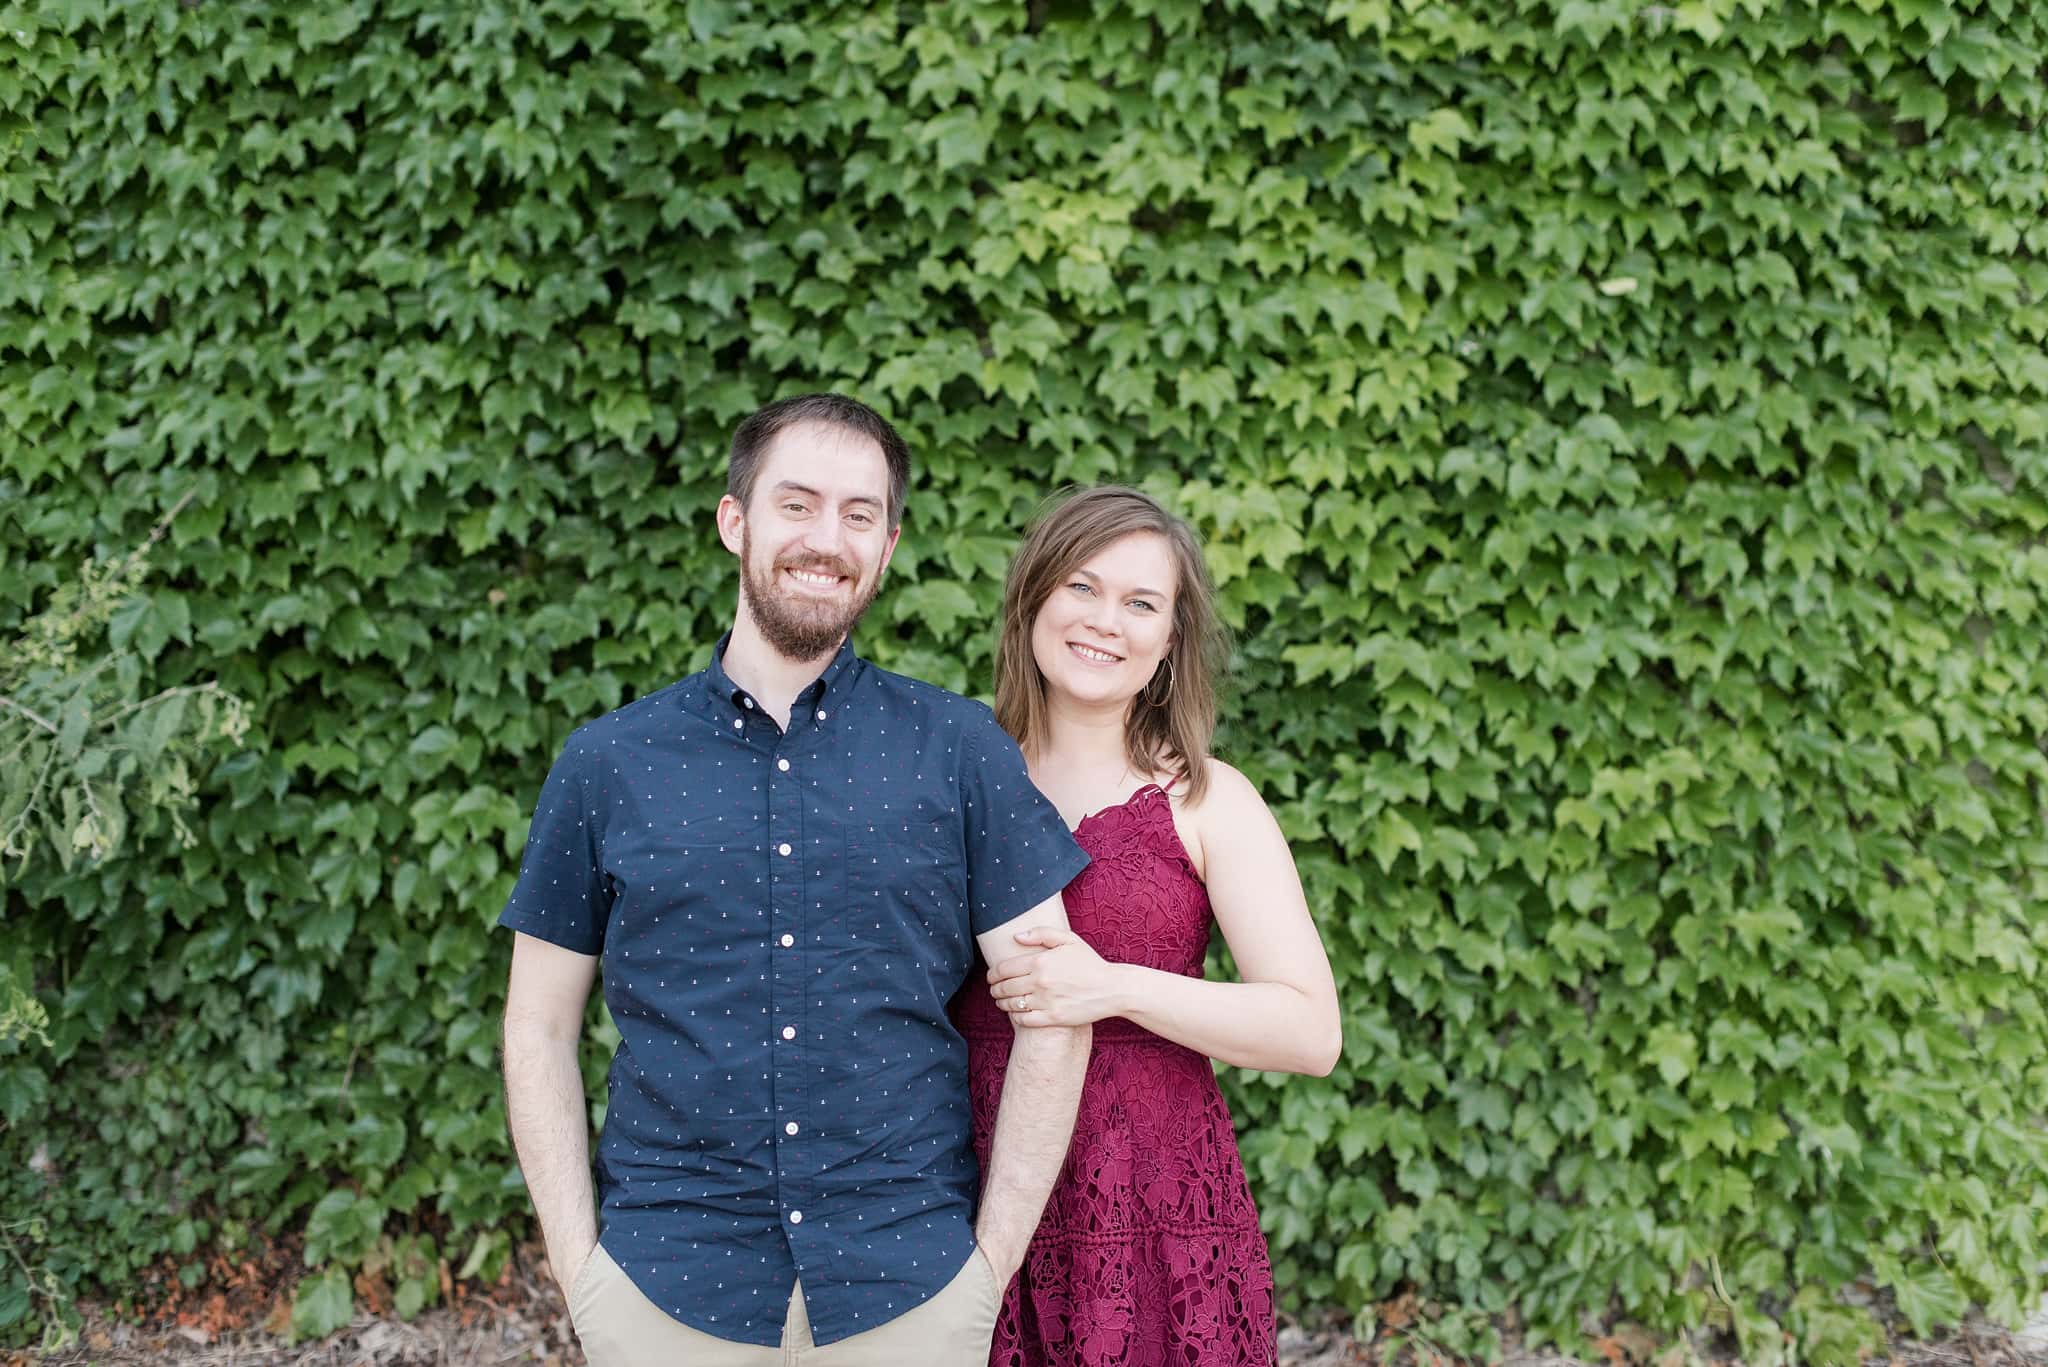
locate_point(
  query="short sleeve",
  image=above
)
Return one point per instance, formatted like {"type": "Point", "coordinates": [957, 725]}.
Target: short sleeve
{"type": "Point", "coordinates": [1019, 851]}
{"type": "Point", "coordinates": [562, 895]}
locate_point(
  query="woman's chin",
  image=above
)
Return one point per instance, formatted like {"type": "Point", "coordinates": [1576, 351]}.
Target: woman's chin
{"type": "Point", "coordinates": [1089, 693]}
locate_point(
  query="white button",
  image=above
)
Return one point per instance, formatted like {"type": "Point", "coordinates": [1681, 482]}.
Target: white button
{"type": "Point", "coordinates": [796, 1217]}
{"type": "Point", "coordinates": [746, 701]}
{"type": "Point", "coordinates": [788, 940]}
{"type": "Point", "coordinates": [790, 1128]}
{"type": "Point", "coordinates": [789, 1032]}
{"type": "Point", "coordinates": [783, 848]}
{"type": "Point", "coordinates": [738, 723]}
{"type": "Point", "coordinates": [821, 714]}
{"type": "Point", "coordinates": [783, 765]}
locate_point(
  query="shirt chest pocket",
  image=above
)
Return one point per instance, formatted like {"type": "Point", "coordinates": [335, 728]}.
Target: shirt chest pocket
{"type": "Point", "coordinates": [906, 881]}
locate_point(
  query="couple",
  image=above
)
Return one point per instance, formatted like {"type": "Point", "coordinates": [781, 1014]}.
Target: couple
{"type": "Point", "coordinates": [819, 1147]}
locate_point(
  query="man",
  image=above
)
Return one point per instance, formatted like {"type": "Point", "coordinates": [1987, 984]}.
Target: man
{"type": "Point", "coordinates": [778, 862]}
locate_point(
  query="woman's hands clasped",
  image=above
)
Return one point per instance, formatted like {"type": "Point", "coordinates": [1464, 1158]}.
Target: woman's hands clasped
{"type": "Point", "coordinates": [1064, 983]}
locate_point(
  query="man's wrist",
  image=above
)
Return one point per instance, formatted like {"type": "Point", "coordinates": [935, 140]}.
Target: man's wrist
{"type": "Point", "coordinates": [1003, 1260]}
{"type": "Point", "coordinates": [575, 1252]}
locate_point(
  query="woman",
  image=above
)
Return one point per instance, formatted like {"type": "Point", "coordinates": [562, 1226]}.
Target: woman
{"type": "Point", "coordinates": [1150, 1250]}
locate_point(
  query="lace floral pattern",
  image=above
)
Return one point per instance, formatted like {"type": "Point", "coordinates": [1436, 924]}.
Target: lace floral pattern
{"type": "Point", "coordinates": [1149, 1254]}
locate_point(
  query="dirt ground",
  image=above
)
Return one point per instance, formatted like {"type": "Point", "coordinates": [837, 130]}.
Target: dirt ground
{"type": "Point", "coordinates": [521, 1319]}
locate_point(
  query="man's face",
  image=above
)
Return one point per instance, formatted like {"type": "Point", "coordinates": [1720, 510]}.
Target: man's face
{"type": "Point", "coordinates": [814, 537]}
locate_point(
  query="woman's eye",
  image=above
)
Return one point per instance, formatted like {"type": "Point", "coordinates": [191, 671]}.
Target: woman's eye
{"type": "Point", "coordinates": [1141, 603]}
{"type": "Point", "coordinates": [1079, 587]}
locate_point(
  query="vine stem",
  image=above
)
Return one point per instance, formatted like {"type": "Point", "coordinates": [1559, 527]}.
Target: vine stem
{"type": "Point", "coordinates": [35, 717]}
{"type": "Point", "coordinates": [181, 691]}
{"type": "Point", "coordinates": [163, 526]}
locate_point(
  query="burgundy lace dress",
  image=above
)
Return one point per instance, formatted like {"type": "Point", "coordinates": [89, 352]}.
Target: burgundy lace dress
{"type": "Point", "coordinates": [1150, 1253]}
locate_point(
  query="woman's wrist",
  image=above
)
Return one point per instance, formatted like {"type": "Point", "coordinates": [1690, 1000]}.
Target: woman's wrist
{"type": "Point", "coordinates": [1127, 986]}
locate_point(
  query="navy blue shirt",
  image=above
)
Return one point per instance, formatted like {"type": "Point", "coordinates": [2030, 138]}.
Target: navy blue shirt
{"type": "Point", "coordinates": [781, 919]}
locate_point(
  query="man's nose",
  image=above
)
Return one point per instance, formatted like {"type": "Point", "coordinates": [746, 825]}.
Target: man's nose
{"type": "Point", "coordinates": [826, 536]}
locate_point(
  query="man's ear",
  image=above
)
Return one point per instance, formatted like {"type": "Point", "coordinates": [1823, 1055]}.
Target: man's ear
{"type": "Point", "coordinates": [889, 551]}
{"type": "Point", "coordinates": [731, 519]}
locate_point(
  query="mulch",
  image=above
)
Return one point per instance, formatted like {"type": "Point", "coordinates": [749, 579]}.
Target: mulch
{"type": "Point", "coordinates": [240, 1316]}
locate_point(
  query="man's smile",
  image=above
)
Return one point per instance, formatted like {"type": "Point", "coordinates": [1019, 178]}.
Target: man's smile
{"type": "Point", "coordinates": [816, 579]}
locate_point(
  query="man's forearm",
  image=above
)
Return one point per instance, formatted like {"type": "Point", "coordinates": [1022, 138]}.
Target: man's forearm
{"type": "Point", "coordinates": [1034, 1121]}
{"type": "Point", "coordinates": [545, 1108]}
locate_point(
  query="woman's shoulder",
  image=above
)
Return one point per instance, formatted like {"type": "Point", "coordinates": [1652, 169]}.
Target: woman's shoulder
{"type": "Point", "coordinates": [1226, 793]}
{"type": "Point", "coordinates": [1216, 821]}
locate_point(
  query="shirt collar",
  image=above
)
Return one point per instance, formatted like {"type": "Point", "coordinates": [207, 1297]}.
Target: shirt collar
{"type": "Point", "coordinates": [722, 688]}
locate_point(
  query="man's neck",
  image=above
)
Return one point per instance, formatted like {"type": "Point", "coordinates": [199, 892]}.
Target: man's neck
{"type": "Point", "coordinates": [771, 678]}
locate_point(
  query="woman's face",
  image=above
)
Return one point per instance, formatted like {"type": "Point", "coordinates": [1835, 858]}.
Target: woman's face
{"type": "Point", "coordinates": [1105, 628]}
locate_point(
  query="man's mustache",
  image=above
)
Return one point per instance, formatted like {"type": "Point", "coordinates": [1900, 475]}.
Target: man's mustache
{"type": "Point", "coordinates": [820, 564]}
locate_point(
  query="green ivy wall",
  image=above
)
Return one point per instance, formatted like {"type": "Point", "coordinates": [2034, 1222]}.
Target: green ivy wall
{"type": "Point", "coordinates": [1621, 436]}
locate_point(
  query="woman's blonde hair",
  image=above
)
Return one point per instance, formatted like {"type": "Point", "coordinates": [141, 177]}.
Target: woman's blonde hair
{"type": "Point", "coordinates": [1172, 720]}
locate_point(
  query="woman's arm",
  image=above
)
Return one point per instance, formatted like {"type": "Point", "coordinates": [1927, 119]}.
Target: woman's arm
{"type": "Point", "coordinates": [1282, 1013]}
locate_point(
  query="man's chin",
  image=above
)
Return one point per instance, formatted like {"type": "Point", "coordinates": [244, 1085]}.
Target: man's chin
{"type": "Point", "coordinates": [801, 627]}
{"type": "Point", "coordinates": [814, 617]}
{"type": "Point", "coordinates": [801, 636]}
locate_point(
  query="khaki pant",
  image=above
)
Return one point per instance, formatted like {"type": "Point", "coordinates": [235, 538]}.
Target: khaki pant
{"type": "Point", "coordinates": [620, 1327]}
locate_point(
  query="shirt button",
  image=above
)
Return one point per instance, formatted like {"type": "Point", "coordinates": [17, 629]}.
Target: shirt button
{"type": "Point", "coordinates": [783, 765]}
{"type": "Point", "coordinates": [789, 1032]}
{"type": "Point", "coordinates": [821, 714]}
{"type": "Point", "coordinates": [796, 1217]}
{"type": "Point", "coordinates": [790, 1128]}
{"type": "Point", "coordinates": [738, 723]}
{"type": "Point", "coordinates": [746, 702]}
{"type": "Point", "coordinates": [788, 940]}
{"type": "Point", "coordinates": [783, 848]}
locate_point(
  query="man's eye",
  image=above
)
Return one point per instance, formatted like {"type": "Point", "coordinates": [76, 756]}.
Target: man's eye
{"type": "Point", "coordinates": [792, 507]}
{"type": "Point", "coordinates": [862, 518]}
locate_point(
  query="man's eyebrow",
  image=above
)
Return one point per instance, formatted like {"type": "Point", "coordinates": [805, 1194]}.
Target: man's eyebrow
{"type": "Point", "coordinates": [790, 486]}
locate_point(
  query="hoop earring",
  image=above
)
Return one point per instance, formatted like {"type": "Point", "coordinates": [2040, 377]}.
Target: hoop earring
{"type": "Point", "coordinates": [1168, 696]}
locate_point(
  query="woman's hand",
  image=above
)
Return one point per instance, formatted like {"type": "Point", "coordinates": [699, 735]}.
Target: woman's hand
{"type": "Point", "coordinates": [1064, 983]}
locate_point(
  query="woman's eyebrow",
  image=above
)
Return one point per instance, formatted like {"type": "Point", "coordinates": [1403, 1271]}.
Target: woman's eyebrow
{"type": "Point", "coordinates": [1135, 593]}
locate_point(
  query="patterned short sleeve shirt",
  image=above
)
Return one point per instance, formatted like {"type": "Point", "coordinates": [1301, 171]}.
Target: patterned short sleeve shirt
{"type": "Point", "coordinates": [781, 918]}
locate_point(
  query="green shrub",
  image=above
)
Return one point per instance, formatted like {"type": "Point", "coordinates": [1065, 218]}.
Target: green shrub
{"type": "Point", "coordinates": [1621, 434]}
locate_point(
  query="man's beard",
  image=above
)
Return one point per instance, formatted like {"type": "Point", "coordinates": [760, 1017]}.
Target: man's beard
{"type": "Point", "coordinates": [797, 628]}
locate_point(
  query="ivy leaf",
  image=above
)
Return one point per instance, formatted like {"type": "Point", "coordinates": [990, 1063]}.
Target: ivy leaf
{"type": "Point", "coordinates": [1673, 1051]}
{"type": "Point", "coordinates": [1926, 1294]}
{"type": "Point", "coordinates": [959, 137]}
{"type": "Point", "coordinates": [322, 1304]}
{"type": "Point", "coordinates": [622, 413]}
{"type": "Point", "coordinates": [1391, 834]}
{"type": "Point", "coordinates": [1441, 130]}
{"type": "Point", "coordinates": [938, 603]}
{"type": "Point", "coordinates": [1926, 103]}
